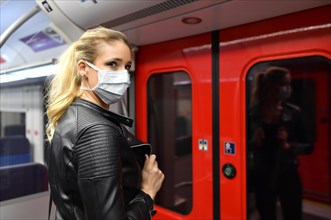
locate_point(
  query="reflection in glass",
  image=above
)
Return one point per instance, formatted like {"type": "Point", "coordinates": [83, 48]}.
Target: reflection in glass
{"type": "Point", "coordinates": [286, 141]}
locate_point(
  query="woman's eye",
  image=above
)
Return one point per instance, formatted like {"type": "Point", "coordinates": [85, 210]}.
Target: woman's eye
{"type": "Point", "coordinates": [128, 67]}
{"type": "Point", "coordinates": [112, 64]}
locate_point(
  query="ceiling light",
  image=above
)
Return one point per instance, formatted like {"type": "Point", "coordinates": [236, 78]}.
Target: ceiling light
{"type": "Point", "coordinates": [191, 20]}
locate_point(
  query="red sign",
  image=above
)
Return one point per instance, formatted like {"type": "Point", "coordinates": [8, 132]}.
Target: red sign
{"type": "Point", "coordinates": [2, 60]}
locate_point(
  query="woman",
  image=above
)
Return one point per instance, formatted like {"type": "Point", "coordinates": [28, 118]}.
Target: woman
{"type": "Point", "coordinates": [95, 170]}
{"type": "Point", "coordinates": [277, 136]}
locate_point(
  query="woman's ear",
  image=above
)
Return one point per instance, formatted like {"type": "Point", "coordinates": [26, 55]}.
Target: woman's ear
{"type": "Point", "coordinates": [81, 68]}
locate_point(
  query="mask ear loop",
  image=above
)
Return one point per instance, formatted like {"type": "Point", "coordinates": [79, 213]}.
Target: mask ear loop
{"type": "Point", "coordinates": [92, 66]}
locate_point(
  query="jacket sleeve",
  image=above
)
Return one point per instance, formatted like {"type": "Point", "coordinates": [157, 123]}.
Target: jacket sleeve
{"type": "Point", "coordinates": [99, 177]}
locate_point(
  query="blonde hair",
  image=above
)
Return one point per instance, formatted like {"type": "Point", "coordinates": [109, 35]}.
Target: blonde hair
{"type": "Point", "coordinates": [65, 86]}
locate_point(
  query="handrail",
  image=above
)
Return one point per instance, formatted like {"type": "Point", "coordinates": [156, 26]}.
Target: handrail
{"type": "Point", "coordinates": [29, 66]}
{"type": "Point", "coordinates": [12, 28]}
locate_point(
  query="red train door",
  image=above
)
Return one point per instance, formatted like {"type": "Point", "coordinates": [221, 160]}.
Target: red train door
{"type": "Point", "coordinates": [248, 50]}
{"type": "Point", "coordinates": [173, 112]}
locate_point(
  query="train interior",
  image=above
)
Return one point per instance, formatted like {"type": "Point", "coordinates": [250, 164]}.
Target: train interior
{"type": "Point", "coordinates": [172, 95]}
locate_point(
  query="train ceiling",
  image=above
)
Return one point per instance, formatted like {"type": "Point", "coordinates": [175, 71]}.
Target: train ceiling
{"type": "Point", "coordinates": [48, 33]}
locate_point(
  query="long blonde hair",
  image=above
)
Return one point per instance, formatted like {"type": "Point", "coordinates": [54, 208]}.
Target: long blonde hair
{"type": "Point", "coordinates": [65, 86]}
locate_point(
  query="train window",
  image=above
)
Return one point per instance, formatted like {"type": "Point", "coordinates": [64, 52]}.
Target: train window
{"type": "Point", "coordinates": [12, 123]}
{"type": "Point", "coordinates": [288, 142]}
{"type": "Point", "coordinates": [170, 133]}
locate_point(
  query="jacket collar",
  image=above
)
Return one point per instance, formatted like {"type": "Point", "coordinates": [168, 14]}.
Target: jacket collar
{"type": "Point", "coordinates": [106, 113]}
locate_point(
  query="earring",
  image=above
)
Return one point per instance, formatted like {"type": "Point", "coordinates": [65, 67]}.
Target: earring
{"type": "Point", "coordinates": [83, 74]}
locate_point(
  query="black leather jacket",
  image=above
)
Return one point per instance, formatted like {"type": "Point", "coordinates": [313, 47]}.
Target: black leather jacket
{"type": "Point", "coordinates": [270, 158]}
{"type": "Point", "coordinates": [94, 171]}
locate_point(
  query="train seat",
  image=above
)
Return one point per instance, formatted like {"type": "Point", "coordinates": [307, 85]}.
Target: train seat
{"type": "Point", "coordinates": [14, 150]}
{"type": "Point", "coordinates": [22, 180]}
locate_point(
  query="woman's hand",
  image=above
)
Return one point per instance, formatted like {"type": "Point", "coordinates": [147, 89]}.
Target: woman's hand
{"type": "Point", "coordinates": [282, 136]}
{"type": "Point", "coordinates": [152, 176]}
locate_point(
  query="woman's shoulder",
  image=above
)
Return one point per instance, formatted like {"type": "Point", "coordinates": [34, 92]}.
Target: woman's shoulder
{"type": "Point", "coordinates": [89, 109]}
{"type": "Point", "coordinates": [88, 119]}
{"type": "Point", "coordinates": [291, 106]}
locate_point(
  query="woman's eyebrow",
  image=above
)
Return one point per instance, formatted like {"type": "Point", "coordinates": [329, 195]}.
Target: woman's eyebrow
{"type": "Point", "coordinates": [118, 60]}
{"type": "Point", "coordinates": [113, 59]}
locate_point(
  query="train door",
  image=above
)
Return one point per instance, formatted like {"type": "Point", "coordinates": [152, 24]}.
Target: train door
{"type": "Point", "coordinates": [245, 53]}
{"type": "Point", "coordinates": [24, 117]}
{"type": "Point", "coordinates": [173, 113]}
{"type": "Point", "coordinates": [23, 174]}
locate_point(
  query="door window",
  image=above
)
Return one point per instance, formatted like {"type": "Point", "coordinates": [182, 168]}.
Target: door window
{"type": "Point", "coordinates": [170, 133]}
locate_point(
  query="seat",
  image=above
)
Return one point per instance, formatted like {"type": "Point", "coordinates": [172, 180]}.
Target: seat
{"type": "Point", "coordinates": [14, 150]}
{"type": "Point", "coordinates": [22, 180]}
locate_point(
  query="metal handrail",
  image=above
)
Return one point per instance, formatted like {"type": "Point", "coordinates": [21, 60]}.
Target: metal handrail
{"type": "Point", "coordinates": [12, 28]}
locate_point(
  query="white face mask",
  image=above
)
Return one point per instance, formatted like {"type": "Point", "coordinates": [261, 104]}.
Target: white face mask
{"type": "Point", "coordinates": [111, 84]}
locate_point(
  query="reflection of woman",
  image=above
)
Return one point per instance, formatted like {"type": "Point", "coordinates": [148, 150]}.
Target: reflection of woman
{"type": "Point", "coordinates": [93, 171]}
{"type": "Point", "coordinates": [277, 135]}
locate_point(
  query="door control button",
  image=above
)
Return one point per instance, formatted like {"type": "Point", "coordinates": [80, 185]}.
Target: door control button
{"type": "Point", "coordinates": [229, 170]}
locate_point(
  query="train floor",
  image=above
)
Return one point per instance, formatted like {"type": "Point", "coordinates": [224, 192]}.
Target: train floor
{"type": "Point", "coordinates": [316, 210]}
{"type": "Point", "coordinates": [311, 211]}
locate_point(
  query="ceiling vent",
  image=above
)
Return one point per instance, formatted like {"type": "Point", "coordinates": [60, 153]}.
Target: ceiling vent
{"type": "Point", "coordinates": [155, 9]}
